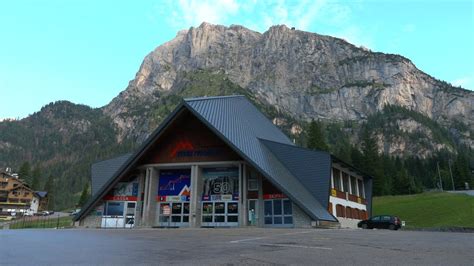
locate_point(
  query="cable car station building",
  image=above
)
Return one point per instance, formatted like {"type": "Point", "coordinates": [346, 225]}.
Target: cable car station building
{"type": "Point", "coordinates": [219, 162]}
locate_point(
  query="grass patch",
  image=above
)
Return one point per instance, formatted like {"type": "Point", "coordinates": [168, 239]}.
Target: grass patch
{"type": "Point", "coordinates": [42, 222]}
{"type": "Point", "coordinates": [428, 210]}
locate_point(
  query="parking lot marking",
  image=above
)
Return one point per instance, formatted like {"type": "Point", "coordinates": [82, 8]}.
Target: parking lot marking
{"type": "Point", "coordinates": [291, 246]}
{"type": "Point", "coordinates": [286, 234]}
{"type": "Point", "coordinates": [247, 239]}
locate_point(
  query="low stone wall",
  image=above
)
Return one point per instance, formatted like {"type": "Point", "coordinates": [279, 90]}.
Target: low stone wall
{"type": "Point", "coordinates": [300, 218]}
{"type": "Point", "coordinates": [91, 221]}
{"type": "Point", "coordinates": [348, 223]}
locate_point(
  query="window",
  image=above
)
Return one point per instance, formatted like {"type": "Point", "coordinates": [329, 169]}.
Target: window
{"type": "Point", "coordinates": [114, 208]}
{"type": "Point", "coordinates": [337, 179]}
{"type": "Point", "coordinates": [361, 188]}
{"type": "Point", "coordinates": [354, 185]}
{"type": "Point", "coordinates": [252, 181]}
{"type": "Point", "coordinates": [375, 218]}
{"type": "Point", "coordinates": [278, 212]}
{"type": "Point", "coordinates": [348, 212]}
{"type": "Point", "coordinates": [340, 210]}
{"type": "Point", "coordinates": [385, 218]}
{"type": "Point", "coordinates": [345, 181]}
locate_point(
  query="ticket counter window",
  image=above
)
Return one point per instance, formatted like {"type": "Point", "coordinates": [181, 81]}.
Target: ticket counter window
{"type": "Point", "coordinates": [118, 214]}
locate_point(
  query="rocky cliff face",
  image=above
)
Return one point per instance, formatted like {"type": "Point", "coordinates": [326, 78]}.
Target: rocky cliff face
{"type": "Point", "coordinates": [302, 74]}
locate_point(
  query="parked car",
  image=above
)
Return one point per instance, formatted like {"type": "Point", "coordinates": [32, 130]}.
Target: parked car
{"type": "Point", "coordinates": [381, 222]}
{"type": "Point", "coordinates": [45, 213]}
{"type": "Point", "coordinates": [76, 211]}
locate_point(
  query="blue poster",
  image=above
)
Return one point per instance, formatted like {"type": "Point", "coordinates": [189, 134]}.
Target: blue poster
{"type": "Point", "coordinates": [174, 185]}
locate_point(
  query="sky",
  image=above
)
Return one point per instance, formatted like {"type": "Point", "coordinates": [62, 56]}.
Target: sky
{"type": "Point", "coordinates": [86, 51]}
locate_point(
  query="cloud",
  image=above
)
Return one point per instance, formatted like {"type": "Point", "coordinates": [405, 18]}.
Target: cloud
{"type": "Point", "coordinates": [465, 82]}
{"type": "Point", "coordinates": [306, 15]}
{"type": "Point", "coordinates": [187, 13]}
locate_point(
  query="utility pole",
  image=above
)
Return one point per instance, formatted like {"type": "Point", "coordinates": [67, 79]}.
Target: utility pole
{"type": "Point", "coordinates": [439, 175]}
{"type": "Point", "coordinates": [452, 179]}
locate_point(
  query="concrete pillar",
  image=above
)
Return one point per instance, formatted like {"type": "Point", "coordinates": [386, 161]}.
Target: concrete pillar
{"type": "Point", "coordinates": [261, 216]}
{"type": "Point", "coordinates": [152, 193]}
{"type": "Point", "coordinates": [196, 195]}
{"type": "Point", "coordinates": [145, 197]}
{"type": "Point", "coordinates": [139, 207]}
{"type": "Point", "coordinates": [243, 208]}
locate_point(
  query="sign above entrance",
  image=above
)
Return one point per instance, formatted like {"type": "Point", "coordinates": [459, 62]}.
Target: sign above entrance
{"type": "Point", "coordinates": [124, 191]}
{"type": "Point", "coordinates": [174, 185]}
{"type": "Point", "coordinates": [221, 184]}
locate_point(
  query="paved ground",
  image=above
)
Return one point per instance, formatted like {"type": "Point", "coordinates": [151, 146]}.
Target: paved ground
{"type": "Point", "coordinates": [234, 246]}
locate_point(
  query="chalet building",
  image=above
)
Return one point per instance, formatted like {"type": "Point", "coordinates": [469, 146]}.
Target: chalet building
{"type": "Point", "coordinates": [15, 195]}
{"type": "Point", "coordinates": [218, 161]}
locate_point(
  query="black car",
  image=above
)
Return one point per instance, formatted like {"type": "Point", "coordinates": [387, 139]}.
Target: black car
{"type": "Point", "coordinates": [381, 222]}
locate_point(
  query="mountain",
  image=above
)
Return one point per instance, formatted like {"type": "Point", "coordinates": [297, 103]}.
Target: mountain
{"type": "Point", "coordinates": [305, 75]}
{"type": "Point", "coordinates": [293, 76]}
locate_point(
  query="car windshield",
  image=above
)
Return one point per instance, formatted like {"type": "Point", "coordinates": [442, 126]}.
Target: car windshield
{"type": "Point", "coordinates": [375, 218]}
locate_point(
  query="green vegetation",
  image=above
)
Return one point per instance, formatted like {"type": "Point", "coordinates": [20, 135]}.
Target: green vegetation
{"type": "Point", "coordinates": [397, 175]}
{"type": "Point", "coordinates": [428, 210]}
{"type": "Point", "coordinates": [53, 149]}
{"type": "Point", "coordinates": [316, 137]}
{"type": "Point", "coordinates": [42, 222]}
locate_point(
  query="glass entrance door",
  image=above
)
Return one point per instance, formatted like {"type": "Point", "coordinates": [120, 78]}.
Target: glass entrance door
{"type": "Point", "coordinates": [278, 212]}
{"type": "Point", "coordinates": [220, 213]}
{"type": "Point", "coordinates": [252, 218]}
{"type": "Point", "coordinates": [174, 214]}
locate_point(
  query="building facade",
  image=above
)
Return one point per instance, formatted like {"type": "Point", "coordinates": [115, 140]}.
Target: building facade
{"type": "Point", "coordinates": [15, 196]}
{"type": "Point", "coordinates": [219, 162]}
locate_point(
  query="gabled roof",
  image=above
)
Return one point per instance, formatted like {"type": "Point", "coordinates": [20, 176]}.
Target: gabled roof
{"type": "Point", "coordinates": [103, 171]}
{"type": "Point", "coordinates": [311, 168]}
{"type": "Point", "coordinates": [239, 123]}
{"type": "Point", "coordinates": [245, 129]}
{"type": "Point", "coordinates": [41, 194]}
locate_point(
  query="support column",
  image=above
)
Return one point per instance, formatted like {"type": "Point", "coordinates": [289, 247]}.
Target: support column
{"type": "Point", "coordinates": [152, 193]}
{"type": "Point", "coordinates": [139, 207]}
{"type": "Point", "coordinates": [145, 197]}
{"type": "Point", "coordinates": [243, 213]}
{"type": "Point", "coordinates": [261, 216]}
{"type": "Point", "coordinates": [195, 203]}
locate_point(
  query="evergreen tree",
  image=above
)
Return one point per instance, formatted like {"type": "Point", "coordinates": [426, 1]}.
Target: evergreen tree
{"type": "Point", "coordinates": [371, 162]}
{"type": "Point", "coordinates": [316, 137]}
{"type": "Point", "coordinates": [49, 187]}
{"type": "Point", "coordinates": [84, 195]}
{"type": "Point", "coordinates": [25, 172]}
{"type": "Point", "coordinates": [35, 179]}
{"type": "Point", "coordinates": [357, 158]}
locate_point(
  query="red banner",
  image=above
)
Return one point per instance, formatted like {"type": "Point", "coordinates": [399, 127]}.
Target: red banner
{"type": "Point", "coordinates": [274, 196]}
{"type": "Point", "coordinates": [121, 198]}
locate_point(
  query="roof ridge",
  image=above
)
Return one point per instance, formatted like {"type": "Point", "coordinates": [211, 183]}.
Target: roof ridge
{"type": "Point", "coordinates": [212, 97]}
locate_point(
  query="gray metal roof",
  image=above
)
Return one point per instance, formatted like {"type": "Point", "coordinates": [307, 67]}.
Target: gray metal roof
{"type": "Point", "coordinates": [243, 126]}
{"type": "Point", "coordinates": [312, 168]}
{"type": "Point", "coordinates": [41, 194]}
{"type": "Point", "coordinates": [103, 171]}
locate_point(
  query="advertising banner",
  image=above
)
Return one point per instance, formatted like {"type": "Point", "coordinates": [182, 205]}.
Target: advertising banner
{"type": "Point", "coordinates": [124, 191]}
{"type": "Point", "coordinates": [174, 185]}
{"type": "Point", "coordinates": [221, 184]}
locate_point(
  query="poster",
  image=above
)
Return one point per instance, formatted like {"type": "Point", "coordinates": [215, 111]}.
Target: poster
{"type": "Point", "coordinates": [174, 185]}
{"type": "Point", "coordinates": [220, 184]}
{"type": "Point", "coordinates": [124, 191]}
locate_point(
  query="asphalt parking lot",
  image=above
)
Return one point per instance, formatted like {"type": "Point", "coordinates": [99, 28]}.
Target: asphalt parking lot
{"type": "Point", "coordinates": [234, 246]}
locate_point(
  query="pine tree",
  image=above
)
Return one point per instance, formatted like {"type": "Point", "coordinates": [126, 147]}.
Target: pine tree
{"type": "Point", "coordinates": [35, 179]}
{"type": "Point", "coordinates": [49, 187]}
{"type": "Point", "coordinates": [316, 137]}
{"type": "Point", "coordinates": [84, 195]}
{"type": "Point", "coordinates": [357, 158]}
{"type": "Point", "coordinates": [25, 172]}
{"type": "Point", "coordinates": [371, 162]}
